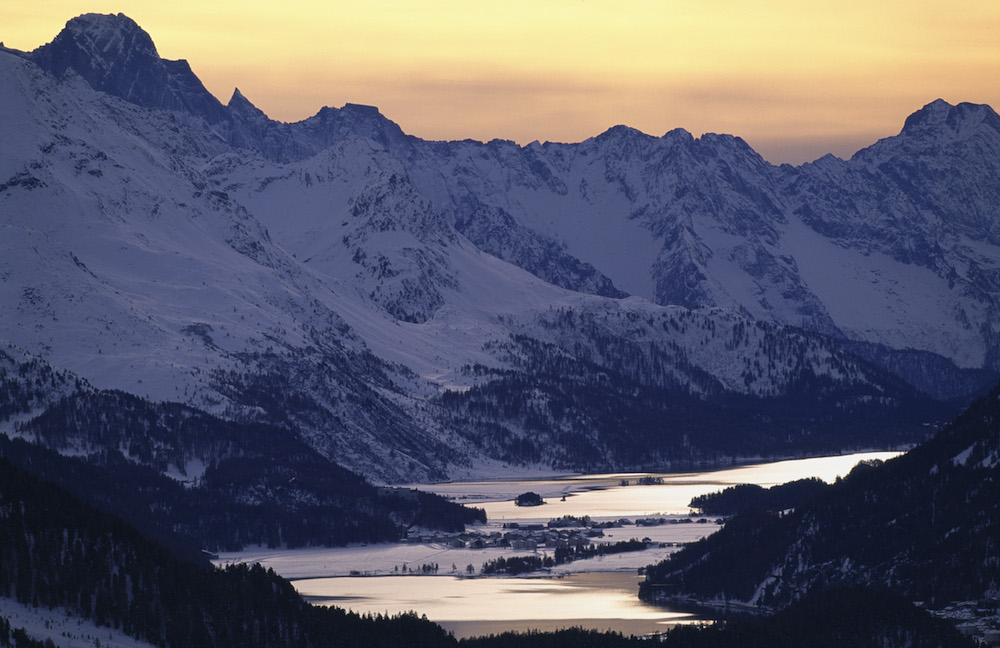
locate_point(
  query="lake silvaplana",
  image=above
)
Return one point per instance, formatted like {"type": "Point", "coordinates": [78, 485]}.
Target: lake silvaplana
{"type": "Point", "coordinates": [599, 593]}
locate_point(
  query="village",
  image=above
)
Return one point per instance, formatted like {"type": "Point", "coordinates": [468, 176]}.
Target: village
{"type": "Point", "coordinates": [567, 532]}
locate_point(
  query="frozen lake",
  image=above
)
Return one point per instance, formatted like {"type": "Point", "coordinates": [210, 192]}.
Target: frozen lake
{"type": "Point", "coordinates": [478, 606]}
{"type": "Point", "coordinates": [598, 593]}
{"type": "Point", "coordinates": [602, 496]}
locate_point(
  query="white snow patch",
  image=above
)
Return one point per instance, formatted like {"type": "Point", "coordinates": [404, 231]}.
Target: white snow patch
{"type": "Point", "coordinates": [962, 458]}
{"type": "Point", "coordinates": [63, 628]}
{"type": "Point", "coordinates": [876, 298]}
{"type": "Point", "coordinates": [194, 470]}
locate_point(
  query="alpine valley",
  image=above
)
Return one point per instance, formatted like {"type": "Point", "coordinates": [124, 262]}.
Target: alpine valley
{"type": "Point", "coordinates": [227, 331]}
{"type": "Point", "coordinates": [187, 284]}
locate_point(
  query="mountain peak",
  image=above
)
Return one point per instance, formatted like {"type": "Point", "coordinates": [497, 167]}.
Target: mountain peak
{"type": "Point", "coordinates": [240, 104]}
{"type": "Point", "coordinates": [238, 97]}
{"type": "Point", "coordinates": [623, 132]}
{"type": "Point", "coordinates": [115, 55]}
{"type": "Point", "coordinates": [362, 109]}
{"type": "Point", "coordinates": [104, 28]}
{"type": "Point", "coordinates": [678, 135]}
{"type": "Point", "coordinates": [939, 118]}
{"type": "Point", "coordinates": [110, 34]}
{"type": "Point", "coordinates": [93, 45]}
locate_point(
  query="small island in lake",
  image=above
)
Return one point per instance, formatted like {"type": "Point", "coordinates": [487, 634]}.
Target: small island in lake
{"type": "Point", "coordinates": [528, 499]}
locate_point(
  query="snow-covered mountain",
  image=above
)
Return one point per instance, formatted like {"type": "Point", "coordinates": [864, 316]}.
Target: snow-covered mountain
{"type": "Point", "coordinates": [427, 309]}
{"type": "Point", "coordinates": [896, 247]}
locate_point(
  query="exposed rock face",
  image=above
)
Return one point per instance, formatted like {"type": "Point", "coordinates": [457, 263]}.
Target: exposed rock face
{"type": "Point", "coordinates": [114, 55]}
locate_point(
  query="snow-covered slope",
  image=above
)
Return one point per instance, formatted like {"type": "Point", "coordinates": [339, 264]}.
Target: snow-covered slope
{"type": "Point", "coordinates": [63, 628]}
{"type": "Point", "coordinates": [413, 309]}
{"type": "Point", "coordinates": [895, 247]}
{"type": "Point", "coordinates": [124, 265]}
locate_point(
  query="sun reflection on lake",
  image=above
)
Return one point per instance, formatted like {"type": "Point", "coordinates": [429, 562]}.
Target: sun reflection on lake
{"type": "Point", "coordinates": [598, 593]}
{"type": "Point", "coordinates": [469, 606]}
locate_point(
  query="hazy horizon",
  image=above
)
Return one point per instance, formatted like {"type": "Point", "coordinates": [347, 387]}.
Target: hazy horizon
{"type": "Point", "coordinates": [794, 81]}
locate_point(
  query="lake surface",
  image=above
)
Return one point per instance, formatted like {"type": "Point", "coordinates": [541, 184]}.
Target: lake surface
{"type": "Point", "coordinates": [597, 593]}
{"type": "Point", "coordinates": [601, 496]}
{"type": "Point", "coordinates": [477, 606]}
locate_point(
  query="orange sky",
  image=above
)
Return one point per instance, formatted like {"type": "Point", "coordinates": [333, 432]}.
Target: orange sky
{"type": "Point", "coordinates": [795, 79]}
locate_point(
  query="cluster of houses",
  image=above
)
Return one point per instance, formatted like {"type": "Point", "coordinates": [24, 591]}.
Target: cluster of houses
{"type": "Point", "coordinates": [565, 532]}
{"type": "Point", "coordinates": [525, 537]}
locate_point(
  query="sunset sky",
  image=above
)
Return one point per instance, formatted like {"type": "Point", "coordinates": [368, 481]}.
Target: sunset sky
{"type": "Point", "coordinates": [795, 79]}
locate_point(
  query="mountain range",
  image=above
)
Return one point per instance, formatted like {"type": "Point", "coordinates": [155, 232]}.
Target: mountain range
{"type": "Point", "coordinates": [418, 310]}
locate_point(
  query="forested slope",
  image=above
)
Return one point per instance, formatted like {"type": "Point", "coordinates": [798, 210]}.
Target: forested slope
{"type": "Point", "coordinates": [924, 524]}
{"type": "Point", "coordinates": [58, 551]}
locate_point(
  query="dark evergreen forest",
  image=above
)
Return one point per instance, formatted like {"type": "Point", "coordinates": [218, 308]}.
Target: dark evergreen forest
{"type": "Point", "coordinates": [608, 402]}
{"type": "Point", "coordinates": [743, 497]}
{"type": "Point", "coordinates": [924, 524]}
{"type": "Point", "coordinates": [148, 578]}
{"type": "Point", "coordinates": [261, 485]}
{"type": "Point", "coordinates": [845, 618]}
{"type": "Point", "coordinates": [57, 551]}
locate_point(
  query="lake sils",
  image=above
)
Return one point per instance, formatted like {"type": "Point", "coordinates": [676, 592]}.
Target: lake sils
{"type": "Point", "coordinates": [599, 593]}
{"type": "Point", "coordinates": [478, 606]}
